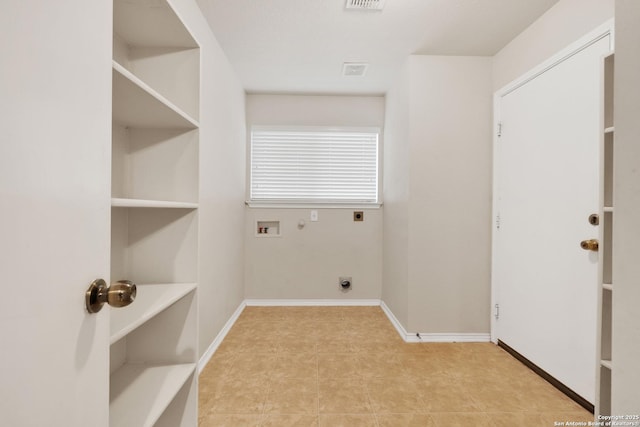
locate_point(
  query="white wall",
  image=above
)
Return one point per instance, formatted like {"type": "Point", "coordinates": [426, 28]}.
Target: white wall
{"type": "Point", "coordinates": [222, 174]}
{"type": "Point", "coordinates": [306, 263]}
{"type": "Point", "coordinates": [395, 278]}
{"type": "Point", "coordinates": [315, 110]}
{"type": "Point", "coordinates": [438, 166]}
{"type": "Point", "coordinates": [561, 25]}
{"type": "Point", "coordinates": [450, 194]}
{"type": "Point", "coordinates": [626, 232]}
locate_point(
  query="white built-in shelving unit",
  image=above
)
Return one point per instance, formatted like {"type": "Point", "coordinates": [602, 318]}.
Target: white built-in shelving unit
{"type": "Point", "coordinates": [605, 294]}
{"type": "Point", "coordinates": [154, 216]}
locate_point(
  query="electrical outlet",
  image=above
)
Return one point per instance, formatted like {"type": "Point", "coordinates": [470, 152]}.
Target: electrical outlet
{"type": "Point", "coordinates": [358, 216]}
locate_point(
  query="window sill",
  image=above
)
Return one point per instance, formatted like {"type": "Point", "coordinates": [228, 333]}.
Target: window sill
{"type": "Point", "coordinates": [280, 205]}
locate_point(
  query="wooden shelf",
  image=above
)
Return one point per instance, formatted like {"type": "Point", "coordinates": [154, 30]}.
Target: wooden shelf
{"type": "Point", "coordinates": [608, 209]}
{"type": "Point", "coordinates": [150, 300]}
{"type": "Point", "coordinates": [136, 104]}
{"type": "Point", "coordinates": [607, 286]}
{"type": "Point", "coordinates": [140, 203]}
{"type": "Point", "coordinates": [609, 129]}
{"type": "Point", "coordinates": [140, 393]}
{"type": "Point", "coordinates": [606, 364]}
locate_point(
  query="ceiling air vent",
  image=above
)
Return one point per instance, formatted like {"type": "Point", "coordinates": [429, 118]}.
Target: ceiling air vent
{"type": "Point", "coordinates": [354, 69]}
{"type": "Point", "coordinates": [365, 4]}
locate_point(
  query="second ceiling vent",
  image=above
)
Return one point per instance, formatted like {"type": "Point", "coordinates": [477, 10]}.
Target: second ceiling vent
{"type": "Point", "coordinates": [354, 69]}
{"type": "Point", "coordinates": [365, 4]}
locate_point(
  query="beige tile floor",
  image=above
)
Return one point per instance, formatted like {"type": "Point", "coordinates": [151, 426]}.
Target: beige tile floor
{"type": "Point", "coordinates": [347, 366]}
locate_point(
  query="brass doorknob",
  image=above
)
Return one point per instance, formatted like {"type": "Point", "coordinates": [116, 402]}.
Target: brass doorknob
{"type": "Point", "coordinates": [119, 294]}
{"type": "Point", "coordinates": [589, 245]}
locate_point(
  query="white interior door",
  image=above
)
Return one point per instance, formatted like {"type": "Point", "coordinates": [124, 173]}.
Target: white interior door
{"type": "Point", "coordinates": [547, 186]}
{"type": "Point", "coordinates": [55, 109]}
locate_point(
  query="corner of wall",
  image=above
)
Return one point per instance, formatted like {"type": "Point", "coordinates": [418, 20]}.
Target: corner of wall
{"type": "Point", "coordinates": [396, 197]}
{"type": "Point", "coordinates": [222, 182]}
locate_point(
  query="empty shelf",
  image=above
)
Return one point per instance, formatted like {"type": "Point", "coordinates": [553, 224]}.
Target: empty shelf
{"type": "Point", "coordinates": [140, 393]}
{"type": "Point", "coordinates": [142, 203]}
{"type": "Point", "coordinates": [135, 104]}
{"type": "Point", "coordinates": [150, 300]}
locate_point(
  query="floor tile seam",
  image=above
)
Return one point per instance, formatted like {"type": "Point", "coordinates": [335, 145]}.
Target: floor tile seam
{"type": "Point", "coordinates": [346, 413]}
{"type": "Point", "coordinates": [376, 420]}
{"type": "Point", "coordinates": [289, 352]}
{"type": "Point", "coordinates": [485, 407]}
{"type": "Point", "coordinates": [420, 409]}
{"type": "Point", "coordinates": [266, 397]}
{"type": "Point", "coordinates": [471, 396]}
{"type": "Point", "coordinates": [262, 420]}
{"type": "Point", "coordinates": [318, 387]}
{"type": "Point", "coordinates": [370, 401]}
{"type": "Point", "coordinates": [329, 414]}
{"type": "Point", "coordinates": [360, 385]}
{"type": "Point", "coordinates": [265, 418]}
{"type": "Point", "coordinates": [206, 413]}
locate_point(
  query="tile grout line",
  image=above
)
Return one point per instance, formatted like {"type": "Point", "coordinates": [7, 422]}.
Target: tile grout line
{"type": "Point", "coordinates": [263, 417]}
{"type": "Point", "coordinates": [270, 379]}
{"type": "Point", "coordinates": [317, 383]}
{"type": "Point", "coordinates": [371, 407]}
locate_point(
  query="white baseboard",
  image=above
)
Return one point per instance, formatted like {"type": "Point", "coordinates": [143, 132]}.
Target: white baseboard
{"type": "Point", "coordinates": [412, 337]}
{"type": "Point", "coordinates": [218, 340]}
{"type": "Point", "coordinates": [394, 321]}
{"type": "Point", "coordinates": [453, 337]}
{"type": "Point", "coordinates": [311, 302]}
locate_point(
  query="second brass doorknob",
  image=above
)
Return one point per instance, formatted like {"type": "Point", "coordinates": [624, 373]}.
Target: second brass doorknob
{"type": "Point", "coordinates": [119, 294]}
{"type": "Point", "coordinates": [589, 245]}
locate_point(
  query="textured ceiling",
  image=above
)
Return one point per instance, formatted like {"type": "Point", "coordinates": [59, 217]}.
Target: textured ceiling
{"type": "Point", "coordinates": [299, 46]}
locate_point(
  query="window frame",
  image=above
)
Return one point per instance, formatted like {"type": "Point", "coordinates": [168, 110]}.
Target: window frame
{"type": "Point", "coordinates": [303, 203]}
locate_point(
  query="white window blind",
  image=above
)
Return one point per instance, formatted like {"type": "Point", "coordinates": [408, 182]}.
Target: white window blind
{"type": "Point", "coordinates": [314, 166]}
